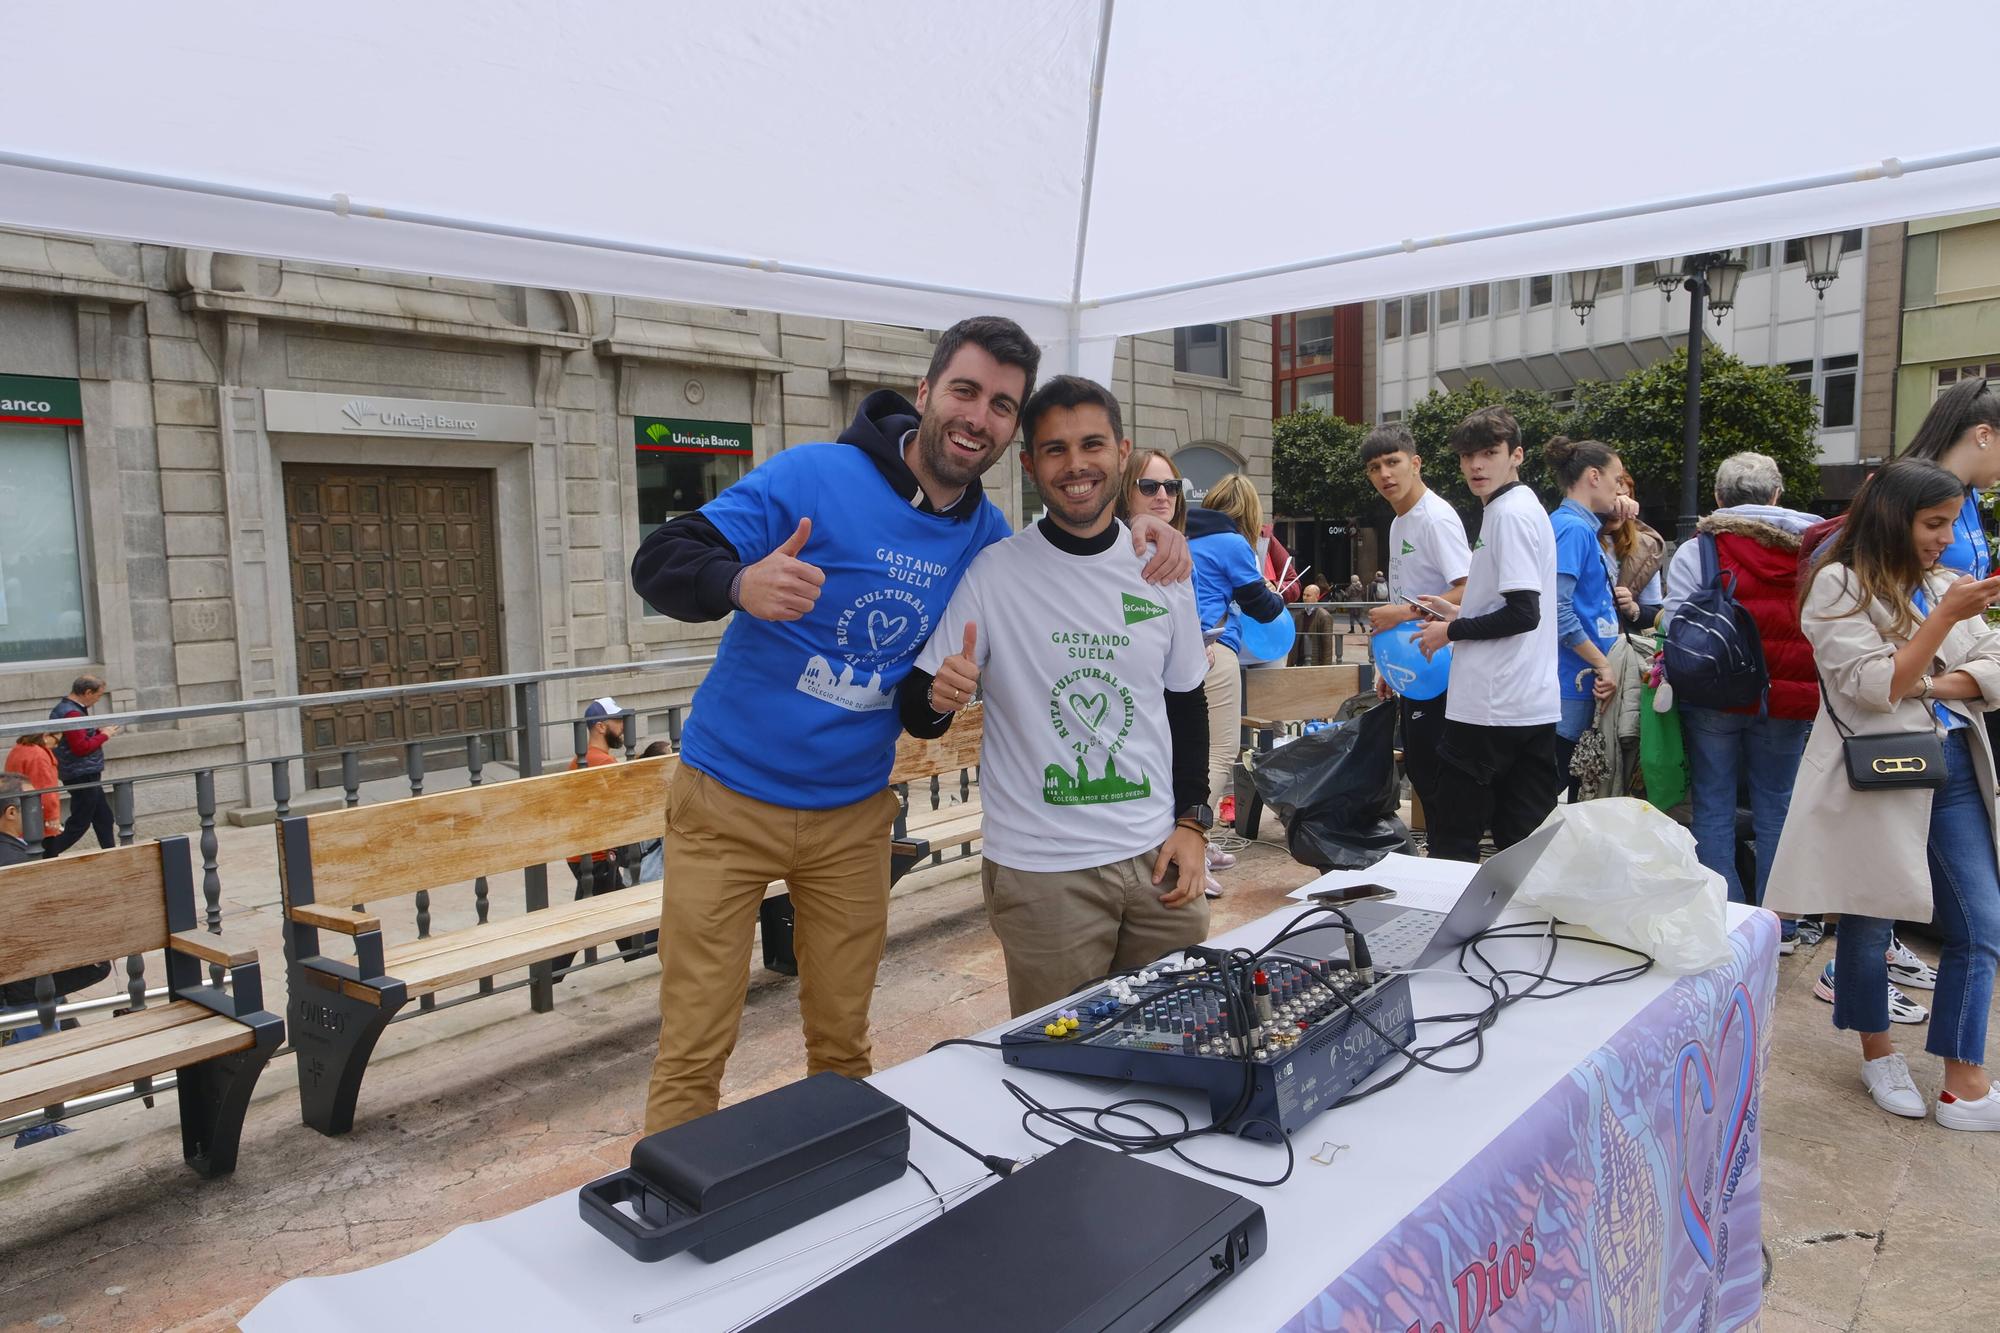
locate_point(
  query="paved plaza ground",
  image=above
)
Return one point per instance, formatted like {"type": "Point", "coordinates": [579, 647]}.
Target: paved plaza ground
{"type": "Point", "coordinates": [1871, 1223]}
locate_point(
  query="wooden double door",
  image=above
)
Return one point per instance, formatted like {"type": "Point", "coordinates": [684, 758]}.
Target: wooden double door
{"type": "Point", "coordinates": [394, 582]}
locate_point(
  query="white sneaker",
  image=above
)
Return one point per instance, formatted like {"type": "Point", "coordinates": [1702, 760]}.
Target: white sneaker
{"type": "Point", "coordinates": [1906, 969]}
{"type": "Point", "coordinates": [1889, 1083]}
{"type": "Point", "coordinates": [1212, 889]}
{"type": "Point", "coordinates": [1962, 1114]}
{"type": "Point", "coordinates": [1219, 859]}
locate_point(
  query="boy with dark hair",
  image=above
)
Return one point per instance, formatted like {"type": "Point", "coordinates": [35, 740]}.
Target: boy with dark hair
{"type": "Point", "coordinates": [1428, 557]}
{"type": "Point", "coordinates": [1497, 754]}
{"type": "Point", "coordinates": [1094, 766]}
{"type": "Point", "coordinates": [840, 558]}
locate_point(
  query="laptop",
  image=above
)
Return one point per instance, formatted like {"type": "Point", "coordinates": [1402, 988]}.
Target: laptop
{"type": "Point", "coordinates": [1401, 938]}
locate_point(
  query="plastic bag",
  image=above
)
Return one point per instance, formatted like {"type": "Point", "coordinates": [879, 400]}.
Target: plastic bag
{"type": "Point", "coordinates": [1626, 871]}
{"type": "Point", "coordinates": [1336, 792]}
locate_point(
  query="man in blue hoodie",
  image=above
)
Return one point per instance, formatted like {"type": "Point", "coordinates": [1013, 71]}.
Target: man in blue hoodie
{"type": "Point", "coordinates": [842, 558]}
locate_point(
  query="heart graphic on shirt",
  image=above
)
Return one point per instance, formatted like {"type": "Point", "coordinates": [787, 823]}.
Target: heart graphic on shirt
{"type": "Point", "coordinates": [884, 630]}
{"type": "Point", "coordinates": [1089, 708]}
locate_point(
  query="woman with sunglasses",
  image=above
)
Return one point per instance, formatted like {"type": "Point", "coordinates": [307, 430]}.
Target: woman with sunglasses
{"type": "Point", "coordinates": [1903, 649]}
{"type": "Point", "coordinates": [1153, 485]}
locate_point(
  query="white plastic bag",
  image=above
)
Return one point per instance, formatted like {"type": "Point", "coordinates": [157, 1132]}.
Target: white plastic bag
{"type": "Point", "coordinates": [1624, 870]}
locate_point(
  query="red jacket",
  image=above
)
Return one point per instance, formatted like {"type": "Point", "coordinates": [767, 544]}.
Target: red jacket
{"type": "Point", "coordinates": [38, 765]}
{"type": "Point", "coordinates": [1765, 560]}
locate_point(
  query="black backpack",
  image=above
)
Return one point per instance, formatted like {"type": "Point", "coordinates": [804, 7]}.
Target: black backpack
{"type": "Point", "coordinates": [1714, 656]}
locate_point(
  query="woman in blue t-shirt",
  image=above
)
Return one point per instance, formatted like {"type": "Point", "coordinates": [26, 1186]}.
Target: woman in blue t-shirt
{"type": "Point", "coordinates": [1586, 600]}
{"type": "Point", "coordinates": [1222, 539]}
{"type": "Point", "coordinates": [1961, 434]}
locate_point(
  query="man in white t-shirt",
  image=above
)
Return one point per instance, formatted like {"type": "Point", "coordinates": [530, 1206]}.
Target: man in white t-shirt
{"type": "Point", "coordinates": [1497, 765]}
{"type": "Point", "coordinates": [1093, 767]}
{"type": "Point", "coordinates": [1428, 557]}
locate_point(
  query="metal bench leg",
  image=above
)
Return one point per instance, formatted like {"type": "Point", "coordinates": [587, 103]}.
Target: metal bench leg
{"type": "Point", "coordinates": [334, 1034]}
{"type": "Point", "coordinates": [214, 1097]}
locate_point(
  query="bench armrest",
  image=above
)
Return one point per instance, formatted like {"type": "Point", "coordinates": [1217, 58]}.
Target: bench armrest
{"type": "Point", "coordinates": [213, 948]}
{"type": "Point", "coordinates": [340, 921]}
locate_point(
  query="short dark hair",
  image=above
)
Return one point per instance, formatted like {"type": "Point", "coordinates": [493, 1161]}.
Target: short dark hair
{"type": "Point", "coordinates": [1070, 391]}
{"type": "Point", "coordinates": [12, 785]}
{"type": "Point", "coordinates": [1394, 438]}
{"type": "Point", "coordinates": [1570, 459]}
{"type": "Point", "coordinates": [85, 684]}
{"type": "Point", "coordinates": [655, 750]}
{"type": "Point", "coordinates": [1003, 339]}
{"type": "Point", "coordinates": [1485, 428]}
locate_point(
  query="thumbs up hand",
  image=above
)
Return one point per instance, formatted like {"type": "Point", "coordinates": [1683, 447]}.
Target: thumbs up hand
{"type": "Point", "coordinates": [957, 676]}
{"type": "Point", "coordinates": [781, 586]}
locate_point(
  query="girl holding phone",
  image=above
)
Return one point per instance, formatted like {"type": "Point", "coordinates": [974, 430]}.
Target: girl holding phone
{"type": "Point", "coordinates": [1902, 646]}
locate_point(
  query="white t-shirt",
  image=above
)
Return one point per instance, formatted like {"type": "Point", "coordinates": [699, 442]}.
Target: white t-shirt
{"type": "Point", "coordinates": [1427, 549]}
{"type": "Point", "coordinates": [1075, 653]}
{"type": "Point", "coordinates": [1509, 682]}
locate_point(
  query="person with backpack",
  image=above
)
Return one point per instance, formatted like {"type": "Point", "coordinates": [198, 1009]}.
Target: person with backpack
{"type": "Point", "coordinates": [1751, 543]}
{"type": "Point", "coordinates": [1893, 812]}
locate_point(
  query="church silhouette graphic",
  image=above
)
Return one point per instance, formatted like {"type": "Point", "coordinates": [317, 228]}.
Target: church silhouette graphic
{"type": "Point", "coordinates": [1061, 787]}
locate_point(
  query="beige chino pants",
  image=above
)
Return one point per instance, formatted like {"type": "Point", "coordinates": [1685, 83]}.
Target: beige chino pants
{"type": "Point", "coordinates": [722, 850]}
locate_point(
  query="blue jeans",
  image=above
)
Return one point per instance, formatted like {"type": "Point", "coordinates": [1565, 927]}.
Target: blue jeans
{"type": "Point", "coordinates": [1965, 897]}
{"type": "Point", "coordinates": [1722, 750]}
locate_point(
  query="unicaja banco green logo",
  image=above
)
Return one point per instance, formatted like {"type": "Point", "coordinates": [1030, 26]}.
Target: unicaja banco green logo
{"type": "Point", "coordinates": [1138, 609]}
{"type": "Point", "coordinates": [657, 432]}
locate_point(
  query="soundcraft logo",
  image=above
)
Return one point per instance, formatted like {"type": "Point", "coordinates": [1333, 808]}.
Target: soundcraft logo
{"type": "Point", "coordinates": [361, 412]}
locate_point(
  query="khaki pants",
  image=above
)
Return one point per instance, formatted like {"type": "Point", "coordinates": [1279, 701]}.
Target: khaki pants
{"type": "Point", "coordinates": [1223, 688]}
{"type": "Point", "coordinates": [1062, 928]}
{"type": "Point", "coordinates": [722, 850]}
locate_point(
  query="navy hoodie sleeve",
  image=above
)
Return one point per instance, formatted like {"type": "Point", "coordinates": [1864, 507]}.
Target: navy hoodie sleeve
{"type": "Point", "coordinates": [1258, 601]}
{"type": "Point", "coordinates": [684, 569]}
{"type": "Point", "coordinates": [913, 706]}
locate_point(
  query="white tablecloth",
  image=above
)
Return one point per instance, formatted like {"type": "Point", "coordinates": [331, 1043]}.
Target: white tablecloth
{"type": "Point", "coordinates": [543, 1267]}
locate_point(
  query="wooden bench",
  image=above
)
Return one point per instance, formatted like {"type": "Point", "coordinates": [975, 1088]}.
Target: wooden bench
{"type": "Point", "coordinates": [931, 827]}
{"type": "Point", "coordinates": [332, 861]}
{"type": "Point", "coordinates": [1273, 696]}
{"type": "Point", "coordinates": [81, 910]}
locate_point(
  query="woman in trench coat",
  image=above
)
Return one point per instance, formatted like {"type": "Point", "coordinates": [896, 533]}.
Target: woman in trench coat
{"type": "Point", "coordinates": [1902, 647]}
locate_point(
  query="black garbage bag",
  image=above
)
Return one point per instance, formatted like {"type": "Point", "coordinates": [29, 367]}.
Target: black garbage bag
{"type": "Point", "coordinates": [1336, 792]}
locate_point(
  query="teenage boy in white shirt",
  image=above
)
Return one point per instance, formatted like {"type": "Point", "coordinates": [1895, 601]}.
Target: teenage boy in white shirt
{"type": "Point", "coordinates": [1498, 752]}
{"type": "Point", "coordinates": [1428, 557]}
{"type": "Point", "coordinates": [1094, 761]}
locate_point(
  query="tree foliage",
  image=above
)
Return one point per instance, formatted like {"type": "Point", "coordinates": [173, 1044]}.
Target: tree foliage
{"type": "Point", "coordinates": [1316, 467]}
{"type": "Point", "coordinates": [1743, 407]}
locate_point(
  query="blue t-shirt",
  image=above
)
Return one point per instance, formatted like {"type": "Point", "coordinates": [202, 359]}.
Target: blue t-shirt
{"type": "Point", "coordinates": [1580, 555]}
{"type": "Point", "coordinates": [802, 713]}
{"type": "Point", "coordinates": [1223, 562]}
{"type": "Point", "coordinates": [1969, 552]}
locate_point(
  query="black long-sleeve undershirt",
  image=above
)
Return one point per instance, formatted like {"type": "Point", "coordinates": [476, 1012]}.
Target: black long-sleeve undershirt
{"type": "Point", "coordinates": [684, 569]}
{"type": "Point", "coordinates": [1522, 613]}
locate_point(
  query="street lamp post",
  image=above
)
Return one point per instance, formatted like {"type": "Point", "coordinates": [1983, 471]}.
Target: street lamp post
{"type": "Point", "coordinates": [1709, 278]}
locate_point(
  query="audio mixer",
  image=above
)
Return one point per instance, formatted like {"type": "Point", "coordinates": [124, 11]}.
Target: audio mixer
{"type": "Point", "coordinates": [1201, 1020]}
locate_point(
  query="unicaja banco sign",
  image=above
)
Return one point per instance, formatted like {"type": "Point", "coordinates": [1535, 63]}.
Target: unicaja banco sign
{"type": "Point", "coordinates": [672, 435]}
{"type": "Point", "coordinates": [38, 400]}
{"type": "Point", "coordinates": [367, 415]}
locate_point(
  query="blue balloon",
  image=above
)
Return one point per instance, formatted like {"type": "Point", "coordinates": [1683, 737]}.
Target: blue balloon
{"type": "Point", "coordinates": [1268, 640]}
{"type": "Point", "coordinates": [1404, 666]}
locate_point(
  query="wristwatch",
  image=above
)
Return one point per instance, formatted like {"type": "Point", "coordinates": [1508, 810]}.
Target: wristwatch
{"type": "Point", "coordinates": [1199, 816]}
{"type": "Point", "coordinates": [1925, 686]}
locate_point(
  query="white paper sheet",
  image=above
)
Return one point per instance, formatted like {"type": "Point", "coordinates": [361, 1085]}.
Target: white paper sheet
{"type": "Point", "coordinates": [1419, 881]}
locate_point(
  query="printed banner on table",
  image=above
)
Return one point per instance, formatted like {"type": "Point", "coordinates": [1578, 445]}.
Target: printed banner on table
{"type": "Point", "coordinates": [1626, 1198]}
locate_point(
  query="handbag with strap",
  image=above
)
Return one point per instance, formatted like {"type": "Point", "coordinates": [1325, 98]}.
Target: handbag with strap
{"type": "Point", "coordinates": [1889, 760]}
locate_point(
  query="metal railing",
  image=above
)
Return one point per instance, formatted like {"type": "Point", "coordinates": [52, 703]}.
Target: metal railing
{"type": "Point", "coordinates": [526, 734]}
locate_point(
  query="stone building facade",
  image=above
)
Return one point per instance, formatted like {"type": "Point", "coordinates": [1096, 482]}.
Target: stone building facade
{"type": "Point", "coordinates": [287, 478]}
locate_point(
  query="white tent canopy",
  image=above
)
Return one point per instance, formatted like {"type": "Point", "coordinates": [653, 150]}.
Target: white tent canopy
{"type": "Point", "coordinates": [1091, 169]}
